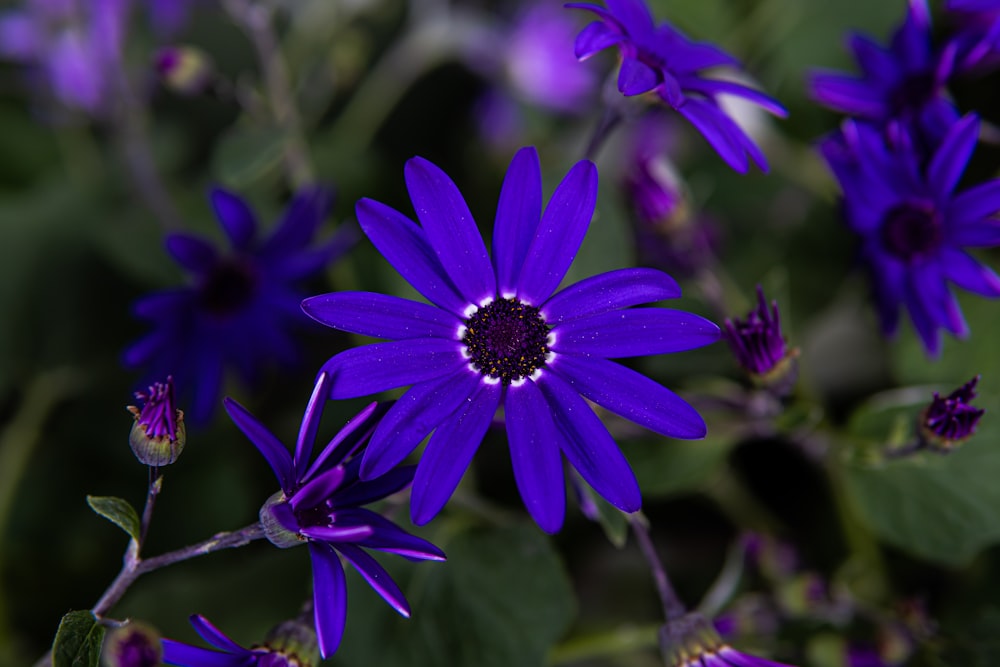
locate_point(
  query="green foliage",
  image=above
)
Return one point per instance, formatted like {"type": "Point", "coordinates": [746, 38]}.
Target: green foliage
{"type": "Point", "coordinates": [78, 641]}
{"type": "Point", "coordinates": [501, 599]}
{"type": "Point", "coordinates": [247, 155]}
{"type": "Point", "coordinates": [118, 512]}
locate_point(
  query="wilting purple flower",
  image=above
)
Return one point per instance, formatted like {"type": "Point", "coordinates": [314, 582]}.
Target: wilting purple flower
{"type": "Point", "coordinates": [241, 301]}
{"type": "Point", "coordinates": [691, 641]}
{"type": "Point", "coordinates": [905, 80]}
{"type": "Point", "coordinates": [759, 345]}
{"type": "Point", "coordinates": [914, 226]}
{"type": "Point", "coordinates": [74, 45]}
{"type": "Point", "coordinates": [291, 644]}
{"type": "Point", "coordinates": [948, 422]}
{"type": "Point", "coordinates": [158, 433]}
{"type": "Point", "coordinates": [320, 503]}
{"type": "Point", "coordinates": [661, 59]}
{"type": "Point", "coordinates": [496, 335]}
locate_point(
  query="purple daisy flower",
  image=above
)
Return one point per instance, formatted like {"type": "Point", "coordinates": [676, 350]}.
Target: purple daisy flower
{"type": "Point", "coordinates": [74, 46]}
{"type": "Point", "coordinates": [291, 644]}
{"type": "Point", "coordinates": [320, 504]}
{"type": "Point", "coordinates": [497, 335]}
{"type": "Point", "coordinates": [905, 80]}
{"type": "Point", "coordinates": [691, 641]}
{"type": "Point", "coordinates": [240, 303]}
{"type": "Point", "coordinates": [661, 59]}
{"type": "Point", "coordinates": [914, 226]}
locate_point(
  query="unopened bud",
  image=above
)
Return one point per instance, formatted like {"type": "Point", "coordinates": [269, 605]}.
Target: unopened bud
{"type": "Point", "coordinates": [133, 645]}
{"type": "Point", "coordinates": [186, 70]}
{"type": "Point", "coordinates": [158, 434]}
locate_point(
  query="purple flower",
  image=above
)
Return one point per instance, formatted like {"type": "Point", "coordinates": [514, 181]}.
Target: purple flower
{"type": "Point", "coordinates": [291, 644]}
{"type": "Point", "coordinates": [240, 303]}
{"type": "Point", "coordinates": [497, 335]}
{"type": "Point", "coordinates": [977, 33]}
{"type": "Point", "coordinates": [158, 434]}
{"type": "Point", "coordinates": [948, 422]}
{"type": "Point", "coordinates": [905, 80]}
{"type": "Point", "coordinates": [661, 59]}
{"type": "Point", "coordinates": [914, 226]}
{"type": "Point", "coordinates": [691, 641]}
{"type": "Point", "coordinates": [759, 345]}
{"type": "Point", "coordinates": [133, 645]}
{"type": "Point", "coordinates": [320, 504]}
{"type": "Point", "coordinates": [73, 45]}
{"type": "Point", "coordinates": [169, 16]}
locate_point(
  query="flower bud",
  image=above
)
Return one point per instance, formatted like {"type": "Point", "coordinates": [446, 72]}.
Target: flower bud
{"type": "Point", "coordinates": [158, 434]}
{"type": "Point", "coordinates": [275, 529]}
{"type": "Point", "coordinates": [133, 645]}
{"type": "Point", "coordinates": [948, 422]}
{"type": "Point", "coordinates": [186, 70]}
{"type": "Point", "coordinates": [760, 348]}
{"type": "Point", "coordinates": [291, 643]}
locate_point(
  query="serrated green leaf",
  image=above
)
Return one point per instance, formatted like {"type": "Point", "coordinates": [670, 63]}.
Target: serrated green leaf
{"type": "Point", "coordinates": [502, 599]}
{"type": "Point", "coordinates": [118, 512]}
{"type": "Point", "coordinates": [78, 641]}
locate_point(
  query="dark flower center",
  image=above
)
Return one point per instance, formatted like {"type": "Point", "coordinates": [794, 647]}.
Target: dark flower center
{"type": "Point", "coordinates": [507, 340]}
{"type": "Point", "coordinates": [913, 92]}
{"type": "Point", "coordinates": [229, 286]}
{"type": "Point", "coordinates": [911, 231]}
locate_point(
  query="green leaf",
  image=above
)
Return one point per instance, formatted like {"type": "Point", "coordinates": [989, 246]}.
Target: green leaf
{"type": "Point", "coordinates": [935, 506]}
{"type": "Point", "coordinates": [118, 512]}
{"type": "Point", "coordinates": [78, 641]}
{"type": "Point", "coordinates": [502, 599]}
{"type": "Point", "coordinates": [247, 155]}
{"type": "Point", "coordinates": [668, 467]}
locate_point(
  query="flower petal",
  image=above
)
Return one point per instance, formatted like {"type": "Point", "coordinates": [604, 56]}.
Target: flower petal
{"type": "Point", "coordinates": [636, 77]}
{"type": "Point", "coordinates": [595, 37]}
{"type": "Point", "coordinates": [377, 577]}
{"type": "Point", "coordinates": [405, 246]}
{"type": "Point", "coordinates": [633, 333]}
{"type": "Point", "coordinates": [178, 653]}
{"type": "Point", "coordinates": [719, 130]}
{"type": "Point", "coordinates": [317, 490]}
{"type": "Point", "coordinates": [310, 422]}
{"type": "Point", "coordinates": [449, 452]}
{"type": "Point", "coordinates": [381, 316]}
{"type": "Point", "coordinates": [589, 447]}
{"type": "Point", "coordinates": [609, 291]}
{"type": "Point", "coordinates": [193, 253]}
{"type": "Point", "coordinates": [337, 534]}
{"type": "Point", "coordinates": [560, 233]}
{"type": "Point", "coordinates": [213, 635]}
{"type": "Point", "coordinates": [953, 155]}
{"type": "Point", "coordinates": [535, 455]}
{"type": "Point", "coordinates": [969, 207]}
{"type": "Point", "coordinates": [518, 213]}
{"type": "Point", "coordinates": [450, 229]}
{"type": "Point", "coordinates": [370, 369]}
{"type": "Point", "coordinates": [631, 395]}
{"type": "Point", "coordinates": [418, 412]}
{"type": "Point", "coordinates": [238, 221]}
{"type": "Point", "coordinates": [299, 222]}
{"type": "Point", "coordinates": [266, 443]}
{"type": "Point", "coordinates": [329, 597]}
{"type": "Point", "coordinates": [846, 94]}
{"type": "Point", "coordinates": [349, 438]}
{"type": "Point", "coordinates": [387, 536]}
{"type": "Point", "coordinates": [960, 268]}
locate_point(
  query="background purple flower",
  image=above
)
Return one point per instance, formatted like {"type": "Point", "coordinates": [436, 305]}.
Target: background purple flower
{"type": "Point", "coordinates": [320, 503]}
{"type": "Point", "coordinates": [241, 301]}
{"type": "Point", "coordinates": [661, 59]}
{"type": "Point", "coordinates": [497, 335]}
{"type": "Point", "coordinates": [914, 227]}
{"type": "Point", "coordinates": [228, 653]}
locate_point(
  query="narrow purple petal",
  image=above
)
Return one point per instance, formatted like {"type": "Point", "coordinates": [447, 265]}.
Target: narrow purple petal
{"type": "Point", "coordinates": [731, 656]}
{"type": "Point", "coordinates": [595, 37]}
{"type": "Point", "coordinates": [589, 447]}
{"type": "Point", "coordinates": [563, 226]}
{"type": "Point", "coordinates": [518, 213]}
{"type": "Point", "coordinates": [387, 536]}
{"type": "Point", "coordinates": [449, 452]}
{"type": "Point", "coordinates": [213, 635]}
{"type": "Point", "coordinates": [337, 534]}
{"type": "Point", "coordinates": [184, 655]}
{"type": "Point", "coordinates": [923, 322]}
{"type": "Point", "coordinates": [960, 268]}
{"type": "Point", "coordinates": [310, 422]}
{"type": "Point", "coordinates": [236, 217]}
{"type": "Point", "coordinates": [951, 158]}
{"type": "Point", "coordinates": [285, 515]}
{"type": "Point", "coordinates": [349, 438]}
{"type": "Point", "coordinates": [634, 15]}
{"type": "Point", "coordinates": [318, 489]}
{"type": "Point", "coordinates": [405, 246]}
{"type": "Point", "coordinates": [609, 291]}
{"type": "Point", "coordinates": [366, 370]}
{"type": "Point", "coordinates": [300, 221]}
{"type": "Point", "coordinates": [846, 94]}
{"type": "Point", "coordinates": [719, 130]}
{"type": "Point", "coordinates": [192, 252]}
{"type": "Point", "coordinates": [969, 207]}
{"type": "Point", "coordinates": [631, 395]}
{"type": "Point", "coordinates": [329, 597]}
{"type": "Point", "coordinates": [634, 333]}
{"type": "Point", "coordinates": [267, 444]}
{"type": "Point", "coordinates": [377, 577]}
{"type": "Point", "coordinates": [535, 455]}
{"type": "Point", "coordinates": [418, 412]}
{"type": "Point", "coordinates": [732, 88]}
{"type": "Point", "coordinates": [877, 62]}
{"type": "Point", "coordinates": [929, 283]}
{"type": "Point", "coordinates": [364, 493]}
{"type": "Point", "coordinates": [381, 316]}
{"type": "Point", "coordinates": [636, 77]}
{"type": "Point", "coordinates": [450, 229]}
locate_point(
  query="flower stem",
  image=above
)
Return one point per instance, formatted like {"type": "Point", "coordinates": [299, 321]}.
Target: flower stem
{"type": "Point", "coordinates": [673, 608]}
{"type": "Point", "coordinates": [609, 120]}
{"type": "Point", "coordinates": [155, 485]}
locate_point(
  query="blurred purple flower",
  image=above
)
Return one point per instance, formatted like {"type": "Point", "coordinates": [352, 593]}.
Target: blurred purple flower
{"type": "Point", "coordinates": [914, 226]}
{"type": "Point", "coordinates": [320, 504]}
{"type": "Point", "coordinates": [74, 47]}
{"type": "Point", "coordinates": [276, 651]}
{"type": "Point", "coordinates": [169, 16]}
{"type": "Point", "coordinates": [496, 335]}
{"type": "Point", "coordinates": [241, 301]}
{"type": "Point", "coordinates": [977, 33]}
{"type": "Point", "coordinates": [661, 59]}
{"type": "Point", "coordinates": [948, 422]}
